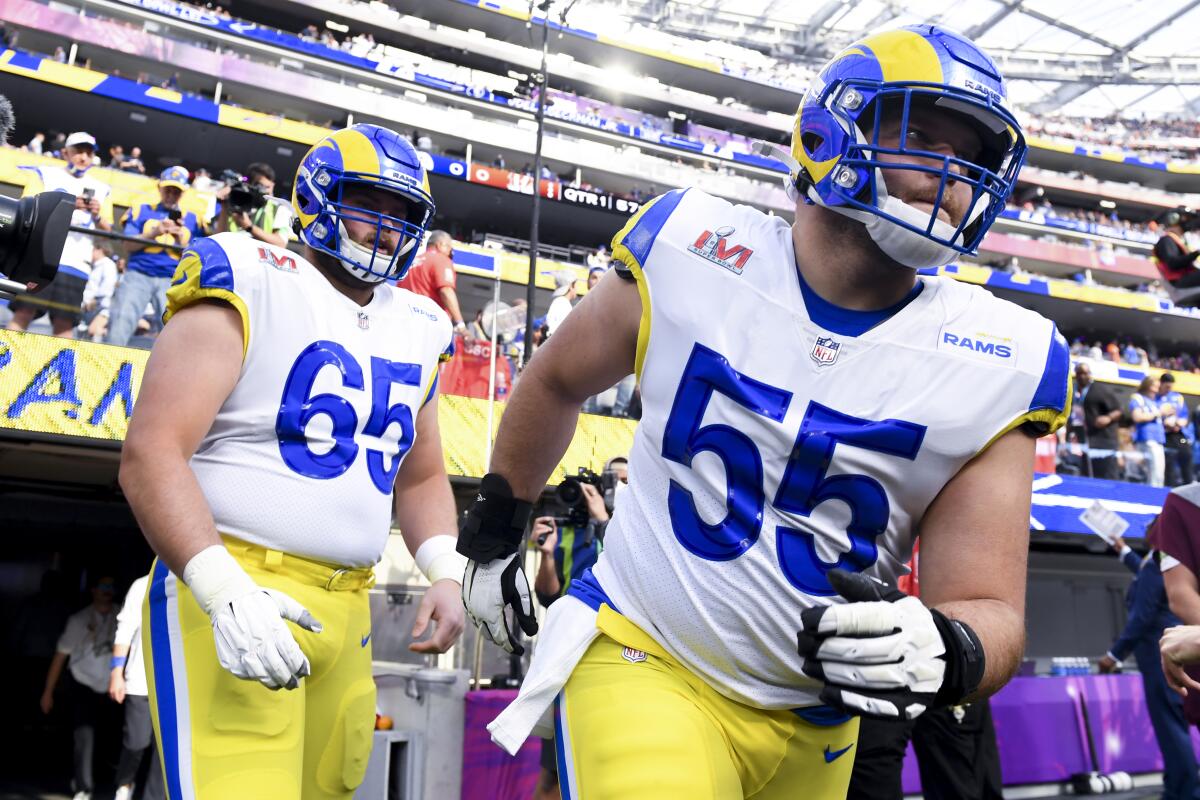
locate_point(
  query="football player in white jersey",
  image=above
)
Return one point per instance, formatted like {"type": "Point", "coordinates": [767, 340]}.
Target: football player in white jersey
{"type": "Point", "coordinates": [287, 412]}
{"type": "Point", "coordinates": [812, 401]}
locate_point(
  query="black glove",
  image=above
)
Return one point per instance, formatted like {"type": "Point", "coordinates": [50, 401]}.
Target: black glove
{"type": "Point", "coordinates": [886, 655]}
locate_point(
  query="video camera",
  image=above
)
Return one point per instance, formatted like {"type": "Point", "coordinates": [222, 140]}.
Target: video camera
{"type": "Point", "coordinates": [1186, 218]}
{"type": "Point", "coordinates": [243, 195]}
{"type": "Point", "coordinates": [569, 506]}
{"type": "Point", "coordinates": [33, 230]}
{"type": "Point", "coordinates": [570, 494]}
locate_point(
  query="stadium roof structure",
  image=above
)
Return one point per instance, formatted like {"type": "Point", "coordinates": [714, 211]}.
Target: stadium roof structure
{"type": "Point", "coordinates": [1130, 57]}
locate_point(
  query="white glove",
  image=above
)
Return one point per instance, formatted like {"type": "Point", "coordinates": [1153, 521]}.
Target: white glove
{"type": "Point", "coordinates": [253, 642]}
{"type": "Point", "coordinates": [493, 592]}
{"type": "Point", "coordinates": [880, 655]}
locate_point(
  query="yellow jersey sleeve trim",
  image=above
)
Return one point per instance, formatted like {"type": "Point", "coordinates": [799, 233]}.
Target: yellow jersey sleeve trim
{"type": "Point", "coordinates": [643, 337]}
{"type": "Point", "coordinates": [186, 289]}
{"type": "Point", "coordinates": [643, 227]}
{"type": "Point", "coordinates": [1053, 418]}
{"type": "Point", "coordinates": [433, 382]}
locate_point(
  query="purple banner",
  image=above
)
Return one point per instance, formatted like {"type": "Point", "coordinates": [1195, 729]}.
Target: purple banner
{"type": "Point", "coordinates": [1039, 731]}
{"type": "Point", "coordinates": [489, 773]}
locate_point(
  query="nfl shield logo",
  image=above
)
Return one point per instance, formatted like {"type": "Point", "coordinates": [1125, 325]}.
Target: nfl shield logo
{"type": "Point", "coordinates": [633, 656]}
{"type": "Point", "coordinates": [825, 351]}
{"type": "Point", "coordinates": [364, 321]}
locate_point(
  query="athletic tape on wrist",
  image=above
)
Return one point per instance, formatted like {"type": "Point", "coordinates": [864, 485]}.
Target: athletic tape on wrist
{"type": "Point", "coordinates": [213, 575]}
{"type": "Point", "coordinates": [438, 560]}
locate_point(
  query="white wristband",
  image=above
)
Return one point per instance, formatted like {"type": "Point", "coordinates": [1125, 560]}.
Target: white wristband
{"type": "Point", "coordinates": [215, 578]}
{"type": "Point", "coordinates": [438, 559]}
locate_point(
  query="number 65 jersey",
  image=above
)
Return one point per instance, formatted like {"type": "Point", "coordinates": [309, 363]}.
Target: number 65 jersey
{"type": "Point", "coordinates": [782, 436]}
{"type": "Point", "coordinates": [303, 454]}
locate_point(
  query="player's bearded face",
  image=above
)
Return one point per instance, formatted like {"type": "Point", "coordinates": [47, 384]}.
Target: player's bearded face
{"type": "Point", "coordinates": [936, 131]}
{"type": "Point", "coordinates": [362, 231]}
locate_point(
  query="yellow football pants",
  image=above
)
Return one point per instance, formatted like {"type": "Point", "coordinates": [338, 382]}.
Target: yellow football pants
{"type": "Point", "coordinates": [633, 723]}
{"type": "Point", "coordinates": [223, 738]}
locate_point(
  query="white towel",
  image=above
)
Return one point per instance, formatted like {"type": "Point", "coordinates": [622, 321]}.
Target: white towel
{"type": "Point", "coordinates": [569, 629]}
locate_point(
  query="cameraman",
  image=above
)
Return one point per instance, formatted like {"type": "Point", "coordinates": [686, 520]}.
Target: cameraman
{"type": "Point", "coordinates": [151, 267]}
{"type": "Point", "coordinates": [565, 558]}
{"type": "Point", "coordinates": [250, 206]}
{"type": "Point", "coordinates": [1175, 262]}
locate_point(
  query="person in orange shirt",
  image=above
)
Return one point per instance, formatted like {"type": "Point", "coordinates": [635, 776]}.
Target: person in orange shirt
{"type": "Point", "coordinates": [433, 275]}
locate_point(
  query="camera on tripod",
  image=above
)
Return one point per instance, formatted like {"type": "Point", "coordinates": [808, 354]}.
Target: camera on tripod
{"type": "Point", "coordinates": [244, 196]}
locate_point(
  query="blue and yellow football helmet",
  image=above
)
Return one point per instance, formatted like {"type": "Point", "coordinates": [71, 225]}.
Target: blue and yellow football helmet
{"type": "Point", "coordinates": [374, 157]}
{"type": "Point", "coordinates": [836, 142]}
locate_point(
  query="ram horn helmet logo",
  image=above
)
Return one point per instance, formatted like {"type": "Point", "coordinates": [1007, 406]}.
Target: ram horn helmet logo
{"type": "Point", "coordinates": [825, 351]}
{"type": "Point", "coordinates": [715, 247]}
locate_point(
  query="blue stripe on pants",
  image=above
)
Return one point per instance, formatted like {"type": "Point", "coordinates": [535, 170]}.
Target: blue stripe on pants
{"type": "Point", "coordinates": [164, 679]}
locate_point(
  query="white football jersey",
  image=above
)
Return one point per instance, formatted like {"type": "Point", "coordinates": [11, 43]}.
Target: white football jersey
{"type": "Point", "coordinates": [303, 454]}
{"type": "Point", "coordinates": [76, 256]}
{"type": "Point", "coordinates": [782, 436]}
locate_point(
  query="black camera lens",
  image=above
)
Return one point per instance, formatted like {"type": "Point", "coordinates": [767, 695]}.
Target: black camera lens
{"type": "Point", "coordinates": [569, 492]}
{"type": "Point", "coordinates": [32, 233]}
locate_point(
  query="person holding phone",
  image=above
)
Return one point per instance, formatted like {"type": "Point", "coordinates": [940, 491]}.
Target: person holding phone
{"type": "Point", "coordinates": [167, 229]}
{"type": "Point", "coordinates": [63, 297]}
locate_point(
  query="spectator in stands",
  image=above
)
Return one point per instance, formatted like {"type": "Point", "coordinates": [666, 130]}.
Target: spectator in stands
{"type": "Point", "coordinates": [151, 267]}
{"type": "Point", "coordinates": [268, 223]}
{"type": "Point", "coordinates": [133, 161]}
{"type": "Point", "coordinates": [476, 326]}
{"type": "Point", "coordinates": [1174, 260]}
{"type": "Point", "coordinates": [594, 276]}
{"type": "Point", "coordinates": [127, 686]}
{"type": "Point", "coordinates": [1149, 435]}
{"type": "Point", "coordinates": [560, 306]}
{"type": "Point", "coordinates": [116, 155]}
{"type": "Point", "coordinates": [36, 143]}
{"type": "Point", "coordinates": [600, 258]}
{"type": "Point", "coordinates": [84, 648]}
{"type": "Point", "coordinates": [1177, 424]}
{"type": "Point", "coordinates": [1149, 614]}
{"type": "Point", "coordinates": [100, 286]}
{"type": "Point", "coordinates": [422, 142]}
{"type": "Point", "coordinates": [203, 182]}
{"type": "Point", "coordinates": [433, 276]}
{"type": "Point", "coordinates": [63, 298]}
{"type": "Point", "coordinates": [60, 55]}
{"type": "Point", "coordinates": [1099, 423]}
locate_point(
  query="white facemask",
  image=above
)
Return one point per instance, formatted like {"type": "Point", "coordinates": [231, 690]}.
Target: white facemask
{"type": "Point", "coordinates": [902, 245]}
{"type": "Point", "coordinates": [356, 258]}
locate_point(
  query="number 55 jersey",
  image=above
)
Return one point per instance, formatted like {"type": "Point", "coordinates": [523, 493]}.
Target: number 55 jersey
{"type": "Point", "coordinates": [782, 436]}
{"type": "Point", "coordinates": [303, 454]}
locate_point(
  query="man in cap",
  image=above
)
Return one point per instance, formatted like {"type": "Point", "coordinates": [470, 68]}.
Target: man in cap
{"type": "Point", "coordinates": [564, 293]}
{"type": "Point", "coordinates": [168, 229]}
{"type": "Point", "coordinates": [63, 298]}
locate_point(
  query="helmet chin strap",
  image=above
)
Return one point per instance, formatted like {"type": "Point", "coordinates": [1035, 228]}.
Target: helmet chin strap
{"type": "Point", "coordinates": [353, 256]}
{"type": "Point", "coordinates": [906, 247]}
